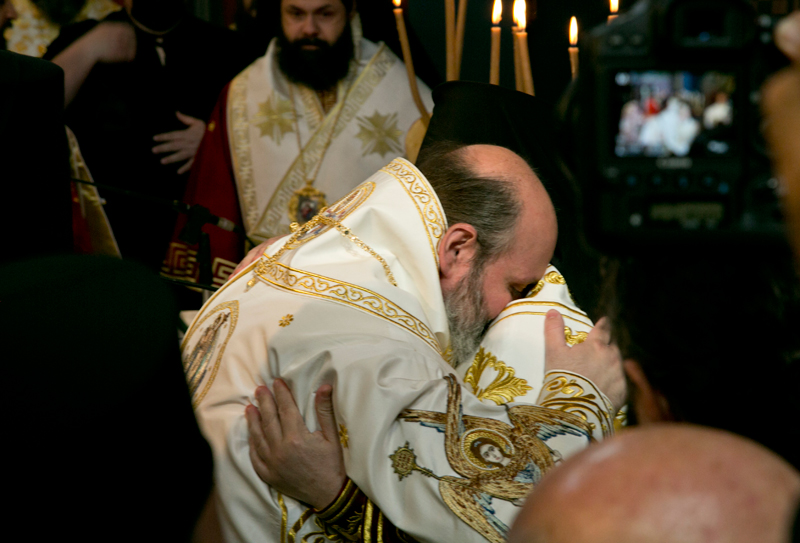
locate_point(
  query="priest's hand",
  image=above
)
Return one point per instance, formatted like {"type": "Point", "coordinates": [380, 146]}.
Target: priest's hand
{"type": "Point", "coordinates": [254, 254]}
{"type": "Point", "coordinates": [182, 144]}
{"type": "Point", "coordinates": [781, 104]}
{"type": "Point", "coordinates": [596, 359]}
{"type": "Point", "coordinates": [307, 466]}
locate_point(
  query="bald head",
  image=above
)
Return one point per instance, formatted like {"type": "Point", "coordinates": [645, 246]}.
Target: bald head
{"type": "Point", "coordinates": [664, 484]}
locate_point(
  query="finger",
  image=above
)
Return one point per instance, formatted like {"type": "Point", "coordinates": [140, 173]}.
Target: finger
{"type": "Point", "coordinates": [601, 331]}
{"type": "Point", "coordinates": [554, 339]}
{"type": "Point", "coordinates": [251, 256]}
{"type": "Point", "coordinates": [186, 119]}
{"type": "Point", "coordinates": [261, 468]}
{"type": "Point", "coordinates": [270, 419]}
{"type": "Point", "coordinates": [169, 136]}
{"type": "Point", "coordinates": [787, 36]}
{"type": "Point", "coordinates": [323, 404]}
{"type": "Point", "coordinates": [186, 167]}
{"type": "Point", "coordinates": [174, 145]}
{"type": "Point", "coordinates": [291, 419]}
{"type": "Point", "coordinates": [178, 156]}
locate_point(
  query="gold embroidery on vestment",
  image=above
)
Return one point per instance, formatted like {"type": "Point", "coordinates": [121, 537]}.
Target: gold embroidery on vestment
{"type": "Point", "coordinates": [206, 355]}
{"type": "Point", "coordinates": [504, 388]}
{"type": "Point", "coordinates": [284, 517]}
{"type": "Point", "coordinates": [425, 200]}
{"type": "Point", "coordinates": [536, 313]}
{"type": "Point", "coordinates": [574, 339]}
{"type": "Point", "coordinates": [286, 321]}
{"type": "Point", "coordinates": [564, 392]}
{"type": "Point", "coordinates": [275, 118]}
{"type": "Point", "coordinates": [526, 301]}
{"type": "Point", "coordinates": [379, 134]}
{"type": "Point", "coordinates": [343, 438]}
{"type": "Point", "coordinates": [240, 142]}
{"type": "Point", "coordinates": [311, 284]}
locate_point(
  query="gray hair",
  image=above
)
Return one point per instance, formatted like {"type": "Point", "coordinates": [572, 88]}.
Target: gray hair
{"type": "Point", "coordinates": [490, 205]}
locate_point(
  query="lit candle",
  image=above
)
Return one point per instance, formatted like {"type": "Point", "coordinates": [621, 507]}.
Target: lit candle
{"type": "Point", "coordinates": [494, 69]}
{"type": "Point", "coordinates": [520, 16]}
{"type": "Point", "coordinates": [613, 8]}
{"type": "Point", "coordinates": [517, 69]}
{"type": "Point", "coordinates": [450, 37]}
{"type": "Point", "coordinates": [462, 21]}
{"type": "Point", "coordinates": [573, 46]}
{"type": "Point", "coordinates": [412, 78]}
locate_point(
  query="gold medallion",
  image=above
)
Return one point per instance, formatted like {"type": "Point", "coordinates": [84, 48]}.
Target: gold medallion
{"type": "Point", "coordinates": [306, 203]}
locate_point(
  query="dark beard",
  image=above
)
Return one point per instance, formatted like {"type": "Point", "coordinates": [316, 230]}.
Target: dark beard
{"type": "Point", "coordinates": [320, 69]}
{"type": "Point", "coordinates": [466, 314]}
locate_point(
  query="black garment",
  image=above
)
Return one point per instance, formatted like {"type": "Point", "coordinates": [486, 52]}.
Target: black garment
{"type": "Point", "coordinates": [100, 437]}
{"type": "Point", "coordinates": [120, 107]}
{"type": "Point", "coordinates": [34, 171]}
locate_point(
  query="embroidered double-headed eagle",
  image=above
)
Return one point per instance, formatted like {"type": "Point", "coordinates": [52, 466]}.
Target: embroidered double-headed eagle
{"type": "Point", "coordinates": [494, 459]}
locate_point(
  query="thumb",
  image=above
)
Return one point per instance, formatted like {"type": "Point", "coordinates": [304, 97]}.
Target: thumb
{"type": "Point", "coordinates": [323, 403]}
{"type": "Point", "coordinates": [185, 119]}
{"type": "Point", "coordinates": [553, 332]}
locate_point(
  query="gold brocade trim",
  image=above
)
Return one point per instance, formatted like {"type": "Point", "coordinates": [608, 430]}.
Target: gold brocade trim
{"type": "Point", "coordinates": [343, 437]}
{"type": "Point", "coordinates": [380, 527]}
{"type": "Point", "coordinates": [233, 308]}
{"type": "Point", "coordinates": [299, 525]}
{"type": "Point", "coordinates": [284, 517]}
{"type": "Point", "coordinates": [240, 148]}
{"type": "Point", "coordinates": [368, 522]}
{"type": "Point", "coordinates": [526, 301]}
{"type": "Point", "coordinates": [504, 388]}
{"type": "Point", "coordinates": [424, 198]}
{"type": "Point", "coordinates": [536, 290]}
{"type": "Point", "coordinates": [538, 313]}
{"type": "Point", "coordinates": [341, 292]}
{"type": "Point", "coordinates": [312, 153]}
{"type": "Point", "coordinates": [312, 107]}
{"type": "Point", "coordinates": [341, 504]}
{"type": "Point", "coordinates": [567, 391]}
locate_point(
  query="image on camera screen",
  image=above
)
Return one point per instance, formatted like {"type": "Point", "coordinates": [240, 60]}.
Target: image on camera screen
{"type": "Point", "coordinates": [674, 114]}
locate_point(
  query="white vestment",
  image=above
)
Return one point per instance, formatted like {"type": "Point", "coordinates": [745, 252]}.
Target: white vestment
{"type": "Point", "coordinates": [354, 299]}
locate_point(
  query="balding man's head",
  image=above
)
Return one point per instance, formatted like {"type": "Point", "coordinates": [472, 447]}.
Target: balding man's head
{"type": "Point", "coordinates": [664, 484]}
{"type": "Point", "coordinates": [501, 234]}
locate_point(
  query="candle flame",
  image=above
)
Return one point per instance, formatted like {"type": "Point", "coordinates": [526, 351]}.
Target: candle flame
{"type": "Point", "coordinates": [497, 12]}
{"type": "Point", "coordinates": [520, 15]}
{"type": "Point", "coordinates": [613, 5]}
{"type": "Point", "coordinates": [573, 31]}
{"type": "Point", "coordinates": [397, 3]}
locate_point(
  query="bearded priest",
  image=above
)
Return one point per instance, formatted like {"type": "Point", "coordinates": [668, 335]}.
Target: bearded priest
{"type": "Point", "coordinates": [322, 100]}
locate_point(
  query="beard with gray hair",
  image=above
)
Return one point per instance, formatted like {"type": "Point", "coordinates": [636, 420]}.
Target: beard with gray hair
{"type": "Point", "coordinates": [467, 315]}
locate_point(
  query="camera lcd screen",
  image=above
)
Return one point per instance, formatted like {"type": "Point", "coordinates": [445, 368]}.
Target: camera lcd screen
{"type": "Point", "coordinates": [673, 114]}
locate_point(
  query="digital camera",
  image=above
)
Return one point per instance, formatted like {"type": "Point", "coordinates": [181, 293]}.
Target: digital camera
{"type": "Point", "coordinates": [665, 124]}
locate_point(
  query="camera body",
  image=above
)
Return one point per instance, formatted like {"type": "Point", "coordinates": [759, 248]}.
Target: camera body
{"type": "Point", "coordinates": [666, 135]}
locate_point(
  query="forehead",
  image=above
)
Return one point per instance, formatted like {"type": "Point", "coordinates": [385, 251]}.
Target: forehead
{"type": "Point", "coordinates": [312, 5]}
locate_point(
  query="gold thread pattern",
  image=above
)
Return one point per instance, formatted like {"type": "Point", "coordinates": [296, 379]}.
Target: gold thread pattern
{"type": "Point", "coordinates": [536, 290]}
{"type": "Point", "coordinates": [526, 301]}
{"type": "Point", "coordinates": [424, 198]}
{"type": "Point", "coordinates": [284, 517]}
{"type": "Point", "coordinates": [555, 278]}
{"type": "Point", "coordinates": [343, 437]}
{"type": "Point", "coordinates": [379, 134]}
{"type": "Point", "coordinates": [569, 392]}
{"type": "Point", "coordinates": [240, 142]}
{"type": "Point", "coordinates": [311, 284]}
{"type": "Point", "coordinates": [207, 353]}
{"type": "Point", "coordinates": [504, 388]}
{"type": "Point", "coordinates": [574, 339]}
{"type": "Point", "coordinates": [286, 321]}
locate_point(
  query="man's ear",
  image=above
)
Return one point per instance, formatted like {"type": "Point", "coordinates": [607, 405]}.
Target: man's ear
{"type": "Point", "coordinates": [457, 248]}
{"type": "Point", "coordinates": [647, 402]}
